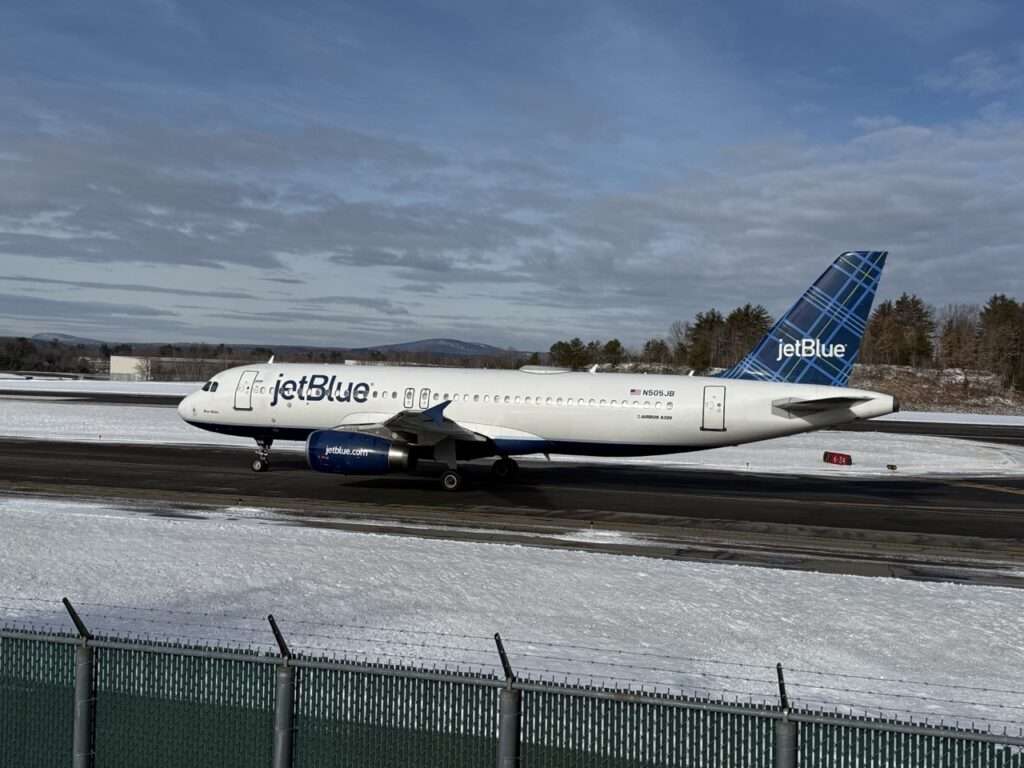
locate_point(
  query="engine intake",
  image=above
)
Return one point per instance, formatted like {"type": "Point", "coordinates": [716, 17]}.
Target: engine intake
{"type": "Point", "coordinates": [354, 453]}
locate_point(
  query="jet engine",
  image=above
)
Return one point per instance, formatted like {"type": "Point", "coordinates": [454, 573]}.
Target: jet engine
{"type": "Point", "coordinates": [355, 453]}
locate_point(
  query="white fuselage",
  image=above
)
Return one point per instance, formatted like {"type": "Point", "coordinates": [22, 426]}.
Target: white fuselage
{"type": "Point", "coordinates": [611, 414]}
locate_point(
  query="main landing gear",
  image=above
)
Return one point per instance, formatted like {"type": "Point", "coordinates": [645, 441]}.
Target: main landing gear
{"type": "Point", "coordinates": [504, 469]}
{"type": "Point", "coordinates": [262, 461]}
{"type": "Point", "coordinates": [451, 480]}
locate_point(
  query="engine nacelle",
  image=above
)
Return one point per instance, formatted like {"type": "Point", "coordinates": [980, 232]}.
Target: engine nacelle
{"type": "Point", "coordinates": [354, 453]}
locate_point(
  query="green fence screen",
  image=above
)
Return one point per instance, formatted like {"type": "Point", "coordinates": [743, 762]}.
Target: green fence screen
{"type": "Point", "coordinates": [37, 679]}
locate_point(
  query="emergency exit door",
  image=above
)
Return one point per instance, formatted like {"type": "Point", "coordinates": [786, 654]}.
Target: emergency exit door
{"type": "Point", "coordinates": [714, 409]}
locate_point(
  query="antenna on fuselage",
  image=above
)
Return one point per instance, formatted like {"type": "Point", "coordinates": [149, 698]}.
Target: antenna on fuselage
{"type": "Point", "coordinates": [593, 368]}
{"type": "Point", "coordinates": [271, 360]}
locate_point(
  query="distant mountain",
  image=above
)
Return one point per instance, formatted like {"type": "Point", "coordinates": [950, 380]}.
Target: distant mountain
{"type": "Point", "coordinates": [439, 348]}
{"type": "Point", "coordinates": [65, 338]}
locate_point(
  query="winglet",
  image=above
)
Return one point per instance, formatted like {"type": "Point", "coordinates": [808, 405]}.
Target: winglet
{"type": "Point", "coordinates": [436, 413]}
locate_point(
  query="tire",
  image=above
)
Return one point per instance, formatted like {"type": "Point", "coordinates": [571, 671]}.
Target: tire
{"type": "Point", "coordinates": [504, 469]}
{"type": "Point", "coordinates": [259, 465]}
{"type": "Point", "coordinates": [451, 480]}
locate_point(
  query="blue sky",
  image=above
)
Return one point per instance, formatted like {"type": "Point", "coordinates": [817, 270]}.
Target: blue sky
{"type": "Point", "coordinates": [348, 174]}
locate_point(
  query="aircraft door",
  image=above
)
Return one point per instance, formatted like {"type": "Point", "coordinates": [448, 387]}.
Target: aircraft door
{"type": "Point", "coordinates": [714, 409]}
{"type": "Point", "coordinates": [410, 397]}
{"type": "Point", "coordinates": [243, 392]}
{"type": "Point", "coordinates": [424, 398]}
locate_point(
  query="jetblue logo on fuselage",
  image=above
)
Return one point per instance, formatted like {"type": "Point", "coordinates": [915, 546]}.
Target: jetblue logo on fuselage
{"type": "Point", "coordinates": [810, 348]}
{"type": "Point", "coordinates": [319, 387]}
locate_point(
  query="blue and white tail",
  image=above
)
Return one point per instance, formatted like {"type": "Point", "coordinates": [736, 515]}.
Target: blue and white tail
{"type": "Point", "coordinates": [817, 340]}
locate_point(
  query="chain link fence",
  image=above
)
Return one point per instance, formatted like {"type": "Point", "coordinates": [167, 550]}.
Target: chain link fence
{"type": "Point", "coordinates": [113, 700]}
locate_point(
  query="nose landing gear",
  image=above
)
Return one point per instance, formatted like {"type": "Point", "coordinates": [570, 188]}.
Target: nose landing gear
{"type": "Point", "coordinates": [262, 461]}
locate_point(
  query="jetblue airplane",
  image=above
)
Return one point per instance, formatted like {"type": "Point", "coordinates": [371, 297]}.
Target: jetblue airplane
{"type": "Point", "coordinates": [371, 420]}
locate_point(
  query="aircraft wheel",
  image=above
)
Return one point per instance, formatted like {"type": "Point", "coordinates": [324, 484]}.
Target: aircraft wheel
{"type": "Point", "coordinates": [451, 480]}
{"type": "Point", "coordinates": [260, 465]}
{"type": "Point", "coordinates": [504, 469]}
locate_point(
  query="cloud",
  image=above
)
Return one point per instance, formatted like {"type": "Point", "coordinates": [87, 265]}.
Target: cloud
{"type": "Point", "coordinates": [131, 288]}
{"type": "Point", "coordinates": [980, 73]}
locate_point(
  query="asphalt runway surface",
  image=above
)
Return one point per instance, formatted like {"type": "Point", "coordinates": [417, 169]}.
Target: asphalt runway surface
{"type": "Point", "coordinates": [969, 530]}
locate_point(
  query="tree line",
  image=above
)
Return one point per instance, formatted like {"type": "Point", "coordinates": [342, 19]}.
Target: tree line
{"type": "Point", "coordinates": [903, 331]}
{"type": "Point", "coordinates": [710, 340]}
{"type": "Point", "coordinates": [909, 332]}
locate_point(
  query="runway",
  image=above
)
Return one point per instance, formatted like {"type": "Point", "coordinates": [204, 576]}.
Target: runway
{"type": "Point", "coordinates": [969, 530]}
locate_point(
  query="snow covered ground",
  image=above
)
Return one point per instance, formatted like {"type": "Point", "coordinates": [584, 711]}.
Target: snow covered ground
{"type": "Point", "coordinates": [212, 574]}
{"type": "Point", "coordinates": [101, 387]}
{"type": "Point", "coordinates": [801, 454]}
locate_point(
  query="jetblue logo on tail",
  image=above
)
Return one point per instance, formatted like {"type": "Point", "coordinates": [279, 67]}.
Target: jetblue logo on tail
{"type": "Point", "coordinates": [836, 307]}
{"type": "Point", "coordinates": [810, 348]}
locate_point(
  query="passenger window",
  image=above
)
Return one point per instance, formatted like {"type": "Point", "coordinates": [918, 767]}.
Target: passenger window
{"type": "Point", "coordinates": [476, 398]}
{"type": "Point", "coordinates": [487, 398]}
{"type": "Point", "coordinates": [592, 401]}
{"type": "Point", "coordinates": [508, 399]}
{"type": "Point", "coordinates": [669, 405]}
{"type": "Point", "coordinates": [527, 401]}
{"type": "Point", "coordinates": [558, 401]}
{"type": "Point", "coordinates": [658, 405]}
{"type": "Point", "coordinates": [519, 399]}
{"type": "Point", "coordinates": [548, 401]}
{"type": "Point", "coordinates": [604, 402]}
{"type": "Point", "coordinates": [436, 397]}
{"type": "Point", "coordinates": [446, 396]}
{"type": "Point", "coordinates": [647, 403]}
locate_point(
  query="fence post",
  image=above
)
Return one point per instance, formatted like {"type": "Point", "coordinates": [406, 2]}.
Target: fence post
{"type": "Point", "coordinates": [510, 712]}
{"type": "Point", "coordinates": [284, 702]}
{"type": "Point", "coordinates": [85, 694]}
{"type": "Point", "coordinates": [785, 729]}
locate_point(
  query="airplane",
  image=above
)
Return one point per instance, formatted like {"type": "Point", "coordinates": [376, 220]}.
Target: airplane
{"type": "Point", "coordinates": [372, 420]}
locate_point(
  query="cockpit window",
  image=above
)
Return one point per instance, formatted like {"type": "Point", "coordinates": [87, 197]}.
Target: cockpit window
{"type": "Point", "coordinates": [214, 387]}
{"type": "Point", "coordinates": [206, 386]}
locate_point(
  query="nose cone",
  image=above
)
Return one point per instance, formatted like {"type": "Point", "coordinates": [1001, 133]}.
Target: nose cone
{"type": "Point", "coordinates": [185, 407]}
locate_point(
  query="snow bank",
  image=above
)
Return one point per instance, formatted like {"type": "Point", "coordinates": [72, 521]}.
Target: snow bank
{"type": "Point", "coordinates": [691, 626]}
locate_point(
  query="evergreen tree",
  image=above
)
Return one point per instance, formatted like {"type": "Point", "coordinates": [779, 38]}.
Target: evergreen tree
{"type": "Point", "coordinates": [744, 327]}
{"type": "Point", "coordinates": [613, 353]}
{"type": "Point", "coordinates": [1001, 340]}
{"type": "Point", "coordinates": [705, 341]}
{"type": "Point", "coordinates": [569, 354]}
{"type": "Point", "coordinates": [656, 351]}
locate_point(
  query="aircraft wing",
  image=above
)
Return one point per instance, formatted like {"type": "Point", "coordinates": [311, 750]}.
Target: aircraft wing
{"type": "Point", "coordinates": [426, 427]}
{"type": "Point", "coordinates": [797, 407]}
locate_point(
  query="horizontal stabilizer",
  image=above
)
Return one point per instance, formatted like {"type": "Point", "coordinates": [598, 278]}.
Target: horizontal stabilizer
{"type": "Point", "coordinates": [796, 407]}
